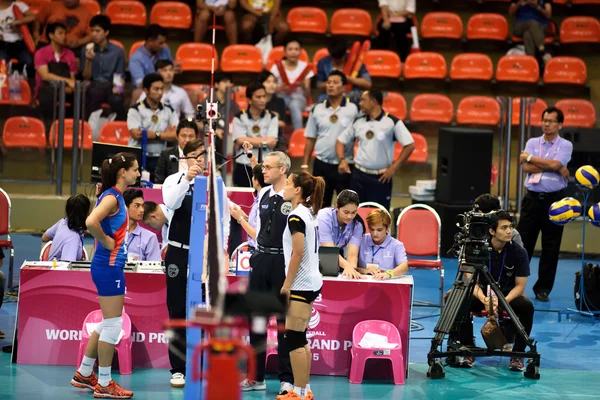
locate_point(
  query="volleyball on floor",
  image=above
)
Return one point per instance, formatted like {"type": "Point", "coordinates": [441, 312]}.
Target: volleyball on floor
{"type": "Point", "coordinates": [560, 212]}
{"type": "Point", "coordinates": [587, 177]}
{"type": "Point", "coordinates": [575, 205]}
{"type": "Point", "coordinates": [594, 214]}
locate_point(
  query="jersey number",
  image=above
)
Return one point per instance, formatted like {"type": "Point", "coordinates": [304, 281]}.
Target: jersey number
{"type": "Point", "coordinates": [118, 283]}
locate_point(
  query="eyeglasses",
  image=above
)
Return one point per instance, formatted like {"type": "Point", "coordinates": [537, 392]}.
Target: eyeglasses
{"type": "Point", "coordinates": [549, 121]}
{"type": "Point", "coordinates": [269, 167]}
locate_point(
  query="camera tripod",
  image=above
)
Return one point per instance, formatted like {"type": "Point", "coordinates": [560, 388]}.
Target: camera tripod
{"type": "Point", "coordinates": [450, 318]}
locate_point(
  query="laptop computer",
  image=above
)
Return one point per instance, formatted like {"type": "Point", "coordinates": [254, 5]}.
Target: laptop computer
{"type": "Point", "coordinates": [329, 261]}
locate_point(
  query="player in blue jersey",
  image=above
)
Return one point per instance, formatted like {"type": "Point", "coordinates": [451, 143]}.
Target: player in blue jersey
{"type": "Point", "coordinates": [108, 224]}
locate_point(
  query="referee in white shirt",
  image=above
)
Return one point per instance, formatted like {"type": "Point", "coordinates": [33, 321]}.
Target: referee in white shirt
{"type": "Point", "coordinates": [374, 164]}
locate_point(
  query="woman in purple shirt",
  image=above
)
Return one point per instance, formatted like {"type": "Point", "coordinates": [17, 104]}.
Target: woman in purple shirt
{"type": "Point", "coordinates": [381, 255]}
{"type": "Point", "coordinates": [342, 227]}
{"type": "Point", "coordinates": [67, 233]}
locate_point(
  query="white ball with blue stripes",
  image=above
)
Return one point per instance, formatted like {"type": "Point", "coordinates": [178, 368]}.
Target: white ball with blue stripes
{"type": "Point", "coordinates": [587, 177]}
{"type": "Point", "coordinates": [560, 213]}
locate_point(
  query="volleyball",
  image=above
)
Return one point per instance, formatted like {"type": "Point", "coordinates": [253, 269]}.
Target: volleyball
{"type": "Point", "coordinates": [587, 177]}
{"type": "Point", "coordinates": [575, 205]}
{"type": "Point", "coordinates": [560, 212]}
{"type": "Point", "coordinates": [594, 214]}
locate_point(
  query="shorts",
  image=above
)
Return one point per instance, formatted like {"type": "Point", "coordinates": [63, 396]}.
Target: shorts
{"type": "Point", "coordinates": [304, 296]}
{"type": "Point", "coordinates": [109, 281]}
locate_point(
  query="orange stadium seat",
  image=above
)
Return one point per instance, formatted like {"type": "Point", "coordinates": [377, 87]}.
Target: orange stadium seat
{"type": "Point", "coordinates": [518, 68]}
{"type": "Point", "coordinates": [297, 144]}
{"type": "Point", "coordinates": [395, 104]}
{"type": "Point", "coordinates": [307, 20]}
{"type": "Point", "coordinates": [473, 66]}
{"type": "Point", "coordinates": [196, 57]}
{"type": "Point", "coordinates": [550, 34]}
{"type": "Point", "coordinates": [569, 70]}
{"type": "Point", "coordinates": [241, 58]}
{"type": "Point", "coordinates": [240, 97]}
{"type": "Point", "coordinates": [277, 54]}
{"type": "Point", "coordinates": [535, 117]}
{"type": "Point", "coordinates": [115, 132]}
{"type": "Point", "coordinates": [578, 2]}
{"type": "Point", "coordinates": [478, 110]}
{"type": "Point", "coordinates": [25, 96]}
{"type": "Point", "coordinates": [431, 108]}
{"type": "Point", "coordinates": [24, 132]}
{"type": "Point", "coordinates": [92, 5]}
{"type": "Point", "coordinates": [421, 153]}
{"type": "Point", "coordinates": [425, 65]}
{"type": "Point", "coordinates": [487, 26]}
{"type": "Point", "coordinates": [201, 91]}
{"type": "Point", "coordinates": [171, 14]}
{"type": "Point", "coordinates": [441, 25]}
{"type": "Point", "coordinates": [580, 30]}
{"type": "Point", "coordinates": [126, 12]}
{"type": "Point", "coordinates": [36, 5]}
{"type": "Point", "coordinates": [321, 53]}
{"type": "Point", "coordinates": [578, 112]}
{"type": "Point", "coordinates": [68, 138]}
{"type": "Point", "coordinates": [351, 21]}
{"type": "Point", "coordinates": [383, 64]}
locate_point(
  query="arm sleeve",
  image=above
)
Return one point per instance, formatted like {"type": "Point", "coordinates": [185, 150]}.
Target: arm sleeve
{"type": "Point", "coordinates": [521, 261]}
{"type": "Point", "coordinates": [136, 69]}
{"type": "Point", "coordinates": [238, 129]}
{"type": "Point", "coordinates": [51, 232]}
{"type": "Point", "coordinates": [325, 232]}
{"type": "Point", "coordinates": [402, 134]}
{"type": "Point", "coordinates": [168, 55]}
{"type": "Point", "coordinates": [296, 224]}
{"type": "Point", "coordinates": [73, 63]}
{"type": "Point", "coordinates": [311, 126]}
{"type": "Point", "coordinates": [530, 146]}
{"type": "Point", "coordinates": [321, 73]}
{"type": "Point", "coordinates": [174, 190]}
{"type": "Point", "coordinates": [564, 152]}
{"type": "Point", "coordinates": [399, 254]}
{"type": "Point", "coordinates": [363, 73]}
{"type": "Point", "coordinates": [152, 250]}
{"type": "Point", "coordinates": [188, 109]}
{"type": "Point", "coordinates": [347, 136]}
{"type": "Point", "coordinates": [121, 63]}
{"type": "Point", "coordinates": [134, 119]}
{"type": "Point", "coordinates": [38, 59]}
{"type": "Point", "coordinates": [273, 130]}
{"type": "Point", "coordinates": [357, 233]}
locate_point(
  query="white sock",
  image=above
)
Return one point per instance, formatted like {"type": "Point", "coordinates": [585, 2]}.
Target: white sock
{"type": "Point", "coordinates": [104, 377]}
{"type": "Point", "coordinates": [300, 391]}
{"type": "Point", "coordinates": [307, 387]}
{"type": "Point", "coordinates": [87, 366]}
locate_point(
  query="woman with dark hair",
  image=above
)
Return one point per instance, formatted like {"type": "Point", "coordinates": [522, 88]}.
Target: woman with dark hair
{"type": "Point", "coordinates": [303, 280]}
{"type": "Point", "coordinates": [67, 233]}
{"type": "Point", "coordinates": [342, 227]}
{"type": "Point", "coordinates": [275, 104]}
{"type": "Point", "coordinates": [108, 224]}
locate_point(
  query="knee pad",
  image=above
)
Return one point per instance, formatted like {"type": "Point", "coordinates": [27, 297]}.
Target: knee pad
{"type": "Point", "coordinates": [99, 327]}
{"type": "Point", "coordinates": [294, 339]}
{"type": "Point", "coordinates": [111, 329]}
{"type": "Point", "coordinates": [305, 338]}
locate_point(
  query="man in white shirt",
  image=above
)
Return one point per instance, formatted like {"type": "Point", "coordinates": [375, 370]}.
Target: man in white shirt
{"type": "Point", "coordinates": [158, 217]}
{"type": "Point", "coordinates": [171, 160]}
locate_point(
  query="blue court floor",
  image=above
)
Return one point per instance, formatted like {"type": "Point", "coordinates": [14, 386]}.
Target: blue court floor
{"type": "Point", "coordinates": [570, 365]}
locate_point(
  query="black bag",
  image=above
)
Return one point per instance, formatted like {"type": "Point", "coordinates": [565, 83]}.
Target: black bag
{"type": "Point", "coordinates": [591, 282]}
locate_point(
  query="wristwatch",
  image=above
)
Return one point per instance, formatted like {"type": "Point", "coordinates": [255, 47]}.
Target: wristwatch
{"type": "Point", "coordinates": [342, 159]}
{"type": "Point", "coordinates": [157, 135]}
{"type": "Point", "coordinates": [529, 158]}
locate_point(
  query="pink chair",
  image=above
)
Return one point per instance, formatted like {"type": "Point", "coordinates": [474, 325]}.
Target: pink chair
{"type": "Point", "coordinates": [271, 339]}
{"type": "Point", "coordinates": [123, 348]}
{"type": "Point", "coordinates": [360, 355]}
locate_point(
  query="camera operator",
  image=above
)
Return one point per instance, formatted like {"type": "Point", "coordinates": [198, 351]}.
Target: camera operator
{"type": "Point", "coordinates": [509, 266]}
{"type": "Point", "coordinates": [487, 203]}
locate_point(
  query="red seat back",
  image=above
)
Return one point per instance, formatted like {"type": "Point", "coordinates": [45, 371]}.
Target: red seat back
{"type": "Point", "coordinates": [419, 229]}
{"type": "Point", "coordinates": [24, 132]}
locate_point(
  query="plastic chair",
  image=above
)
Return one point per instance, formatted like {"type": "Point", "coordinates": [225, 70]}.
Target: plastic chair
{"type": "Point", "coordinates": [92, 5]}
{"type": "Point", "coordinates": [421, 153]}
{"type": "Point", "coordinates": [271, 339]}
{"type": "Point", "coordinates": [580, 30]}
{"type": "Point", "coordinates": [25, 96]}
{"type": "Point", "coordinates": [240, 97]}
{"type": "Point", "coordinates": [432, 108]}
{"type": "Point", "coordinates": [241, 58]}
{"type": "Point", "coordinates": [171, 14]}
{"type": "Point", "coordinates": [115, 132]}
{"type": "Point", "coordinates": [126, 12]}
{"type": "Point", "coordinates": [123, 347]}
{"type": "Point", "coordinates": [36, 5]}
{"type": "Point", "coordinates": [25, 132]}
{"type": "Point", "coordinates": [360, 355]}
{"type": "Point", "coordinates": [276, 54]}
{"type": "Point", "coordinates": [86, 135]}
{"type": "Point", "coordinates": [382, 64]}
{"type": "Point", "coordinates": [419, 228]}
{"type": "Point", "coordinates": [478, 110]}
{"type": "Point", "coordinates": [196, 57]}
{"type": "Point", "coordinates": [45, 252]}
{"type": "Point", "coordinates": [425, 65]}
{"type": "Point", "coordinates": [578, 112]}
{"type": "Point", "coordinates": [566, 70]}
{"type": "Point", "coordinates": [321, 53]}
{"type": "Point", "coordinates": [307, 20]}
{"type": "Point", "coordinates": [395, 104]}
{"type": "Point", "coordinates": [535, 117]}
{"type": "Point", "coordinates": [5, 214]}
{"type": "Point", "coordinates": [518, 68]}
{"type": "Point", "coordinates": [441, 25]}
{"type": "Point", "coordinates": [487, 26]}
{"type": "Point", "coordinates": [351, 21]}
{"type": "Point", "coordinates": [297, 144]}
{"type": "Point", "coordinates": [472, 66]}
{"type": "Point", "coordinates": [200, 90]}
{"type": "Point", "coordinates": [365, 208]}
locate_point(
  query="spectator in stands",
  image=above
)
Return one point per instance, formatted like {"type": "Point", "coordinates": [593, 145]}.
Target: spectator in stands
{"type": "Point", "coordinates": [336, 59]}
{"type": "Point", "coordinates": [486, 203]}
{"type": "Point", "coordinates": [54, 63]}
{"type": "Point", "coordinates": [75, 16]}
{"type": "Point", "coordinates": [269, 18]}
{"type": "Point", "coordinates": [174, 96]}
{"type": "Point", "coordinates": [275, 104]}
{"type": "Point", "coordinates": [293, 80]}
{"type": "Point", "coordinates": [158, 217]}
{"type": "Point", "coordinates": [11, 40]}
{"type": "Point", "coordinates": [67, 233]}
{"type": "Point", "coordinates": [396, 20]}
{"type": "Point", "coordinates": [2, 284]}
{"type": "Point", "coordinates": [171, 160]}
{"type": "Point", "coordinates": [531, 23]}
{"type": "Point", "coordinates": [157, 120]}
{"type": "Point", "coordinates": [103, 63]}
{"type": "Point", "coordinates": [141, 62]}
{"type": "Point", "coordinates": [142, 244]}
{"type": "Point", "coordinates": [225, 11]}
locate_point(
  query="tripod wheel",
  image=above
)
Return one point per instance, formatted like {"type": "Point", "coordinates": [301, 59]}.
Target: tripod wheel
{"type": "Point", "coordinates": [532, 371]}
{"type": "Point", "coordinates": [436, 370]}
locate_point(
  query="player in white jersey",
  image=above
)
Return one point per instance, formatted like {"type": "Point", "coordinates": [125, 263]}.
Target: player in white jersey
{"type": "Point", "coordinates": [303, 280]}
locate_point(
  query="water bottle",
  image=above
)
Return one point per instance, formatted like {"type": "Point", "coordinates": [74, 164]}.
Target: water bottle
{"type": "Point", "coordinates": [14, 86]}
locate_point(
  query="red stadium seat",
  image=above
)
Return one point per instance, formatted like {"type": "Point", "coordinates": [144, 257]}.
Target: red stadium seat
{"type": "Point", "coordinates": [92, 5]}
{"type": "Point", "coordinates": [478, 110]}
{"type": "Point", "coordinates": [568, 70]}
{"type": "Point", "coordinates": [307, 20]}
{"type": "Point", "coordinates": [580, 30]}
{"type": "Point", "coordinates": [196, 57]}
{"type": "Point", "coordinates": [432, 108]}
{"type": "Point", "coordinates": [240, 97]}
{"type": "Point", "coordinates": [171, 14]}
{"type": "Point", "coordinates": [351, 21]}
{"type": "Point", "coordinates": [24, 132]}
{"type": "Point", "coordinates": [578, 112]}
{"type": "Point", "coordinates": [297, 144]}
{"type": "Point", "coordinates": [241, 58]}
{"type": "Point", "coordinates": [382, 64]}
{"type": "Point", "coordinates": [487, 27]}
{"type": "Point", "coordinates": [115, 132]}
{"type": "Point", "coordinates": [535, 117]}
{"type": "Point", "coordinates": [518, 68]}
{"type": "Point", "coordinates": [472, 66]}
{"type": "Point", "coordinates": [86, 135]}
{"type": "Point", "coordinates": [425, 65]}
{"type": "Point", "coordinates": [25, 96]}
{"type": "Point", "coordinates": [276, 54]}
{"type": "Point", "coordinates": [200, 91]}
{"type": "Point", "coordinates": [395, 104]}
{"type": "Point", "coordinates": [421, 153]}
{"type": "Point", "coordinates": [441, 25]}
{"type": "Point", "coordinates": [126, 12]}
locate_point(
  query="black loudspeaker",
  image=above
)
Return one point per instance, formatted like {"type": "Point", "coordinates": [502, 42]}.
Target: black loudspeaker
{"type": "Point", "coordinates": [464, 165]}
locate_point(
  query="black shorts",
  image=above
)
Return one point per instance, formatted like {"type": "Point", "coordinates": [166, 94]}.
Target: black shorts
{"type": "Point", "coordinates": [304, 296]}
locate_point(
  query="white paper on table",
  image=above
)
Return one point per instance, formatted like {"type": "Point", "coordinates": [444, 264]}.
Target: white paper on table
{"type": "Point", "coordinates": [375, 341]}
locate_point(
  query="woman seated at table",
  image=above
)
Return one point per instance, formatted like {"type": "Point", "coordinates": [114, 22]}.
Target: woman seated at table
{"type": "Point", "coordinates": [67, 233]}
{"type": "Point", "coordinates": [342, 227]}
{"type": "Point", "coordinates": [380, 254]}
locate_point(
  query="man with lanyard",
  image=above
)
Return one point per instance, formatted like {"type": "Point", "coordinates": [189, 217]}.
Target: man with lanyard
{"type": "Point", "coordinates": [257, 126]}
{"type": "Point", "coordinates": [545, 161]}
{"type": "Point", "coordinates": [326, 122]}
{"type": "Point", "coordinates": [171, 160]}
{"type": "Point", "coordinates": [374, 164]}
{"type": "Point", "coordinates": [268, 264]}
{"type": "Point", "coordinates": [142, 245]}
{"type": "Point", "coordinates": [509, 266]}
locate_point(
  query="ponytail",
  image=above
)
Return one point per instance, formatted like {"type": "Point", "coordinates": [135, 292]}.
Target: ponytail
{"type": "Point", "coordinates": [312, 189]}
{"type": "Point", "coordinates": [110, 169]}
